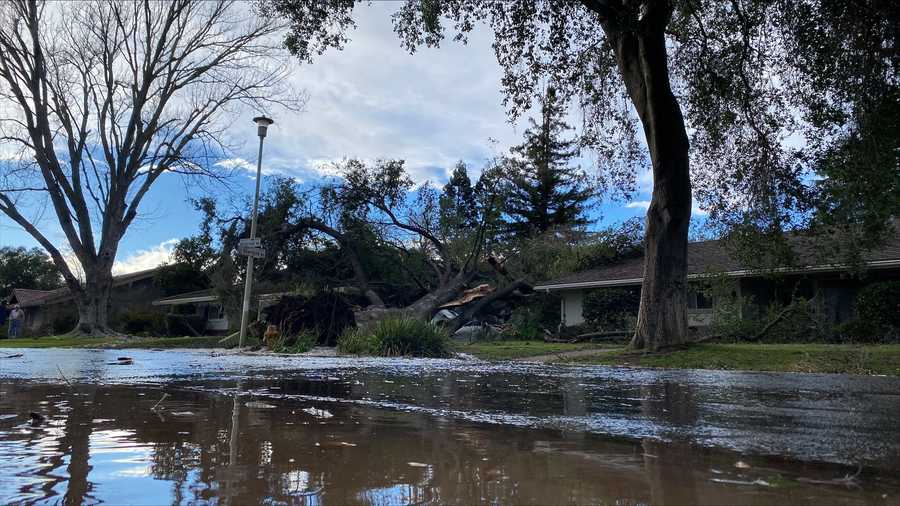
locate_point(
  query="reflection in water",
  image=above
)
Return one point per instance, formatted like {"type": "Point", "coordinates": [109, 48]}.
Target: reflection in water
{"type": "Point", "coordinates": [103, 444]}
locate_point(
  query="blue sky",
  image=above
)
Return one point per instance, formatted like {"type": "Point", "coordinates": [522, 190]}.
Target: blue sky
{"type": "Point", "coordinates": [372, 100]}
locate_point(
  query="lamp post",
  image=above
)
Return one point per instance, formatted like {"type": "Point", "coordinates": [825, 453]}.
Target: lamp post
{"type": "Point", "coordinates": [262, 123]}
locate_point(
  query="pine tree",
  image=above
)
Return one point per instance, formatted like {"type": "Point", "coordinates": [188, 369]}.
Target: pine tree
{"type": "Point", "coordinates": [545, 191]}
{"type": "Point", "coordinates": [459, 209]}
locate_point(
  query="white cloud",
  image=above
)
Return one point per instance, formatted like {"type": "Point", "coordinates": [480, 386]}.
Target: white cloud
{"type": "Point", "coordinates": [639, 204]}
{"type": "Point", "coordinates": [146, 259]}
{"type": "Point", "coordinates": [374, 100]}
{"type": "Point", "coordinates": [236, 163]}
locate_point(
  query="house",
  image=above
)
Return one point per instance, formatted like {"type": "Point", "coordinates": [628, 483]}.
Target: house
{"type": "Point", "coordinates": [201, 308]}
{"type": "Point", "coordinates": [53, 311]}
{"type": "Point", "coordinates": [710, 260]}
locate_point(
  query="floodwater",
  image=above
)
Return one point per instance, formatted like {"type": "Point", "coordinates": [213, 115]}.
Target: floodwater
{"type": "Point", "coordinates": [289, 430]}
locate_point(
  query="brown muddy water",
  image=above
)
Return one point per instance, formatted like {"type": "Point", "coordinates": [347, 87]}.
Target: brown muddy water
{"type": "Point", "coordinates": [285, 430]}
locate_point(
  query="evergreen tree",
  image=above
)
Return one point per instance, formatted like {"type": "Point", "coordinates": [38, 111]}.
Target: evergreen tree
{"type": "Point", "coordinates": [545, 190]}
{"type": "Point", "coordinates": [458, 206]}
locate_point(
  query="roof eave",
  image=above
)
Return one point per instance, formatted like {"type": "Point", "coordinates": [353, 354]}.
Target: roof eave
{"type": "Point", "coordinates": [877, 264]}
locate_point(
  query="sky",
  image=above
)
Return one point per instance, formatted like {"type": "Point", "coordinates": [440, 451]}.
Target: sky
{"type": "Point", "coordinates": [372, 100]}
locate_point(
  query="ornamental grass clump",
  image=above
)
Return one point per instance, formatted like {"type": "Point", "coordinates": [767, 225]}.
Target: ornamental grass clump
{"type": "Point", "coordinates": [397, 337]}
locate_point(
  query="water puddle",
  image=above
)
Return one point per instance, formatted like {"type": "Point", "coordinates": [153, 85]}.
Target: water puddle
{"type": "Point", "coordinates": [188, 427]}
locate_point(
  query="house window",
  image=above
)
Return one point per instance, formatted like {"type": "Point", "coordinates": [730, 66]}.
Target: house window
{"type": "Point", "coordinates": [697, 299]}
{"type": "Point", "coordinates": [704, 301]}
{"type": "Point", "coordinates": [216, 312]}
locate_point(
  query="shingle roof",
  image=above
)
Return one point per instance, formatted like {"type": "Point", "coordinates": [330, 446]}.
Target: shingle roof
{"type": "Point", "coordinates": [41, 297]}
{"type": "Point", "coordinates": [27, 297]}
{"type": "Point", "coordinates": [177, 298]}
{"type": "Point", "coordinates": [707, 257]}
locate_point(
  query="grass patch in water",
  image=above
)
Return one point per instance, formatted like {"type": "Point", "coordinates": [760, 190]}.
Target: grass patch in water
{"type": "Point", "coordinates": [397, 337]}
{"type": "Point", "coordinates": [812, 358]}
{"type": "Point", "coordinates": [109, 342]}
{"type": "Point", "coordinates": [508, 350]}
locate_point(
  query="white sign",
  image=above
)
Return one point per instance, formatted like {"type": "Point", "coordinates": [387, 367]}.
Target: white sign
{"type": "Point", "coordinates": [253, 252]}
{"type": "Point", "coordinates": [250, 243]}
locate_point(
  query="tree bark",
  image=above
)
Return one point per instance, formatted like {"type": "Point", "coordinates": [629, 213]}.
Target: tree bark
{"type": "Point", "coordinates": [92, 300]}
{"type": "Point", "coordinates": [425, 307]}
{"type": "Point", "coordinates": [474, 309]}
{"type": "Point", "coordinates": [640, 49]}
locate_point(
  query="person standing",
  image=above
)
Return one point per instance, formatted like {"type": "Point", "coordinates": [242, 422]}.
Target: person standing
{"type": "Point", "coordinates": [16, 320]}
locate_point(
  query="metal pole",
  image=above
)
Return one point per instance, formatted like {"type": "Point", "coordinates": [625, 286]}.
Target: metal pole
{"type": "Point", "coordinates": [248, 277]}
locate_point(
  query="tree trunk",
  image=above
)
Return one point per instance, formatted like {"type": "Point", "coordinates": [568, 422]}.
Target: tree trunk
{"type": "Point", "coordinates": [474, 309]}
{"type": "Point", "coordinates": [92, 300]}
{"type": "Point", "coordinates": [425, 307]}
{"type": "Point", "coordinates": [642, 61]}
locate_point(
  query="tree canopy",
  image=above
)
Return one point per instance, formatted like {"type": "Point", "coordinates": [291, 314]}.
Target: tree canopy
{"type": "Point", "coordinates": [26, 268]}
{"type": "Point", "coordinates": [733, 98]}
{"type": "Point", "coordinates": [101, 99]}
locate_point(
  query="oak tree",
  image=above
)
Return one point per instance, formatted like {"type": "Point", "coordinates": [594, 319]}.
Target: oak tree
{"type": "Point", "coordinates": [102, 98]}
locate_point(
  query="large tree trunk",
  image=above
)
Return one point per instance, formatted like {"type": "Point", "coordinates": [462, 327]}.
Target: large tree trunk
{"type": "Point", "coordinates": [425, 307]}
{"type": "Point", "coordinates": [474, 309]}
{"type": "Point", "coordinates": [92, 301]}
{"type": "Point", "coordinates": [642, 61]}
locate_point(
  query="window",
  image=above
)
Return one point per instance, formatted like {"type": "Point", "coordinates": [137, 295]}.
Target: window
{"type": "Point", "coordinates": [698, 299]}
{"type": "Point", "coordinates": [216, 312]}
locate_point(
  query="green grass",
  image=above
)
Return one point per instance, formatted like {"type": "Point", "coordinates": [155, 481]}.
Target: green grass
{"type": "Point", "coordinates": [817, 358]}
{"type": "Point", "coordinates": [508, 350]}
{"type": "Point", "coordinates": [137, 342]}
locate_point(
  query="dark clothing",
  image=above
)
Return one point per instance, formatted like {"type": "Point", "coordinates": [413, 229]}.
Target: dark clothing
{"type": "Point", "coordinates": [4, 314]}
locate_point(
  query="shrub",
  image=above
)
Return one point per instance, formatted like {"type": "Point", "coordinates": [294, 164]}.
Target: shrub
{"type": "Point", "coordinates": [877, 315]}
{"type": "Point", "coordinates": [139, 322]}
{"type": "Point", "coordinates": [531, 320]}
{"type": "Point", "coordinates": [394, 337]}
{"type": "Point", "coordinates": [300, 343]}
{"type": "Point", "coordinates": [354, 341]}
{"type": "Point", "coordinates": [611, 308]}
{"type": "Point", "coordinates": [879, 304]}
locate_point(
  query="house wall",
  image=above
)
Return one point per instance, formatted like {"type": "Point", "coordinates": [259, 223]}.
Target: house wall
{"type": "Point", "coordinates": [48, 318]}
{"type": "Point", "coordinates": [136, 296]}
{"type": "Point", "coordinates": [572, 306]}
{"type": "Point", "coordinates": [835, 295]}
{"type": "Point", "coordinates": [571, 303]}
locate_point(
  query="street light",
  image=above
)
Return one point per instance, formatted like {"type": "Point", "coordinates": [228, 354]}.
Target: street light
{"type": "Point", "coordinates": [262, 124]}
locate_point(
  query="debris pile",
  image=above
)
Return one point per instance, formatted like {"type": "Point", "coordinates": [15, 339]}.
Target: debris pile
{"type": "Point", "coordinates": [326, 314]}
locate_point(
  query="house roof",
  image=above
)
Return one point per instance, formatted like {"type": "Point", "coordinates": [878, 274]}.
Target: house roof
{"type": "Point", "coordinates": [712, 257]}
{"type": "Point", "coordinates": [27, 297]}
{"type": "Point", "coordinates": [187, 298]}
{"type": "Point", "coordinates": [32, 298]}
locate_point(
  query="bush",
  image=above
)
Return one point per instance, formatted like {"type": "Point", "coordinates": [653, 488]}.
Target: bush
{"type": "Point", "coordinates": [395, 337]}
{"type": "Point", "coordinates": [354, 341]}
{"type": "Point", "coordinates": [139, 322]}
{"type": "Point", "coordinates": [531, 320]}
{"type": "Point", "coordinates": [299, 343]}
{"type": "Point", "coordinates": [877, 315]}
{"type": "Point", "coordinates": [611, 308]}
{"type": "Point", "coordinates": [879, 304]}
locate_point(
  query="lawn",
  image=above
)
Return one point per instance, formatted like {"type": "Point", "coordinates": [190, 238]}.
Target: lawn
{"type": "Point", "coordinates": [818, 358]}
{"type": "Point", "coordinates": [508, 350]}
{"type": "Point", "coordinates": [135, 342]}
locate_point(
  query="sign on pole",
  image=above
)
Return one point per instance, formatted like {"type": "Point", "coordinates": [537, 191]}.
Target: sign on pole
{"type": "Point", "coordinates": [250, 243]}
{"type": "Point", "coordinates": [252, 252]}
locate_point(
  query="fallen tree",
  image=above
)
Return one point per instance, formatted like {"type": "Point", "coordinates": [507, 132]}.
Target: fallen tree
{"type": "Point", "coordinates": [377, 198]}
